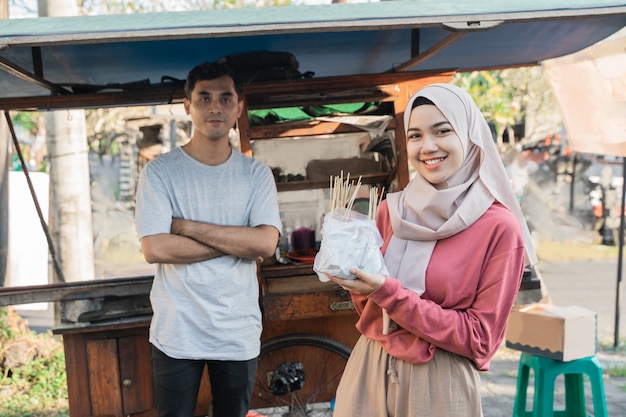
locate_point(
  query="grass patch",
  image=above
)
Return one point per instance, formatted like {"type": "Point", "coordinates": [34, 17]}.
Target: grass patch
{"type": "Point", "coordinates": [616, 371]}
{"type": "Point", "coordinates": [606, 345]}
{"type": "Point", "coordinates": [569, 251]}
{"type": "Point", "coordinates": [33, 381]}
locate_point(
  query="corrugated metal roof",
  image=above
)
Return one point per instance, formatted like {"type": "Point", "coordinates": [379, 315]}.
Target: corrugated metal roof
{"type": "Point", "coordinates": [43, 57]}
{"type": "Point", "coordinates": [274, 20]}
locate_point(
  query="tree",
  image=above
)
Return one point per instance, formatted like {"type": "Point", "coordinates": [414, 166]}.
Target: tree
{"type": "Point", "coordinates": [70, 197]}
{"type": "Point", "coordinates": [512, 96]}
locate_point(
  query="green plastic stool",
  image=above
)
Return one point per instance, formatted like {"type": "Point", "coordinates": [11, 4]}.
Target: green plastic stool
{"type": "Point", "coordinates": [545, 373]}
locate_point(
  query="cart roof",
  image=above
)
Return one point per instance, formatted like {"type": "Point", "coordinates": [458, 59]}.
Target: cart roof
{"type": "Point", "coordinates": [44, 59]}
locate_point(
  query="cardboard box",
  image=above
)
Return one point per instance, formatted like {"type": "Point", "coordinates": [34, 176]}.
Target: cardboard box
{"type": "Point", "coordinates": [561, 333]}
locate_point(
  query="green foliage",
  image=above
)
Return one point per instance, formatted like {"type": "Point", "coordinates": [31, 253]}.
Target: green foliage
{"type": "Point", "coordinates": [511, 96]}
{"type": "Point", "coordinates": [608, 345]}
{"type": "Point", "coordinates": [495, 98]}
{"type": "Point", "coordinates": [27, 126]}
{"type": "Point", "coordinates": [6, 332]}
{"type": "Point", "coordinates": [37, 388]}
{"type": "Point", "coordinates": [105, 128]}
{"type": "Point", "coordinates": [29, 121]}
{"type": "Point", "coordinates": [616, 371]}
{"type": "Point", "coordinates": [45, 376]}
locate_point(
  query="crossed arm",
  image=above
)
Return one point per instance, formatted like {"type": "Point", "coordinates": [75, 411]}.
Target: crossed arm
{"type": "Point", "coordinates": [191, 241]}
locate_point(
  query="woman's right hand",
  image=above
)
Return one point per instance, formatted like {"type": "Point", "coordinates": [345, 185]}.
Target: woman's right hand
{"type": "Point", "coordinates": [365, 282]}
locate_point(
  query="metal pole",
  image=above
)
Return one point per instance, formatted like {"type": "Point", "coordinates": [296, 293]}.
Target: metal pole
{"type": "Point", "coordinates": [619, 259]}
{"type": "Point", "coordinates": [571, 184]}
{"type": "Point", "coordinates": [5, 167]}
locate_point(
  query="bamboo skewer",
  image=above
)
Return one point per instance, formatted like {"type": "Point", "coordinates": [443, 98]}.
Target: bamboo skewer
{"type": "Point", "coordinates": [354, 194]}
{"type": "Point", "coordinates": [343, 194]}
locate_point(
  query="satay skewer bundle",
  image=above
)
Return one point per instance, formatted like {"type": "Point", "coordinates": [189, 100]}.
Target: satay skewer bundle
{"type": "Point", "coordinates": [342, 196]}
{"type": "Point", "coordinates": [349, 238]}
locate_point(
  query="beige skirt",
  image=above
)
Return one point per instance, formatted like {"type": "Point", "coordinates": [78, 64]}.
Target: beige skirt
{"type": "Point", "coordinates": [375, 384]}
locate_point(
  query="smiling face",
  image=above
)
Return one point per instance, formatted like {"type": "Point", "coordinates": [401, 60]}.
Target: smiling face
{"type": "Point", "coordinates": [214, 107]}
{"type": "Point", "coordinates": [433, 147]}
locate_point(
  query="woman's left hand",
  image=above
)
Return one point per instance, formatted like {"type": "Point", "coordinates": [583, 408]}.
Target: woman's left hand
{"type": "Point", "coordinates": [364, 283]}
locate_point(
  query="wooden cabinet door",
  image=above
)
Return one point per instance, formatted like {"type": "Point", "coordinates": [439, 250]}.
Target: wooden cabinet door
{"type": "Point", "coordinates": [136, 374]}
{"type": "Point", "coordinates": [104, 377]}
{"type": "Point", "coordinates": [117, 376]}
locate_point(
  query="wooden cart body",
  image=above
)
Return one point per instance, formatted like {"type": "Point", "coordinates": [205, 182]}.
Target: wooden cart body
{"type": "Point", "coordinates": [108, 361]}
{"type": "Point", "coordinates": [107, 350]}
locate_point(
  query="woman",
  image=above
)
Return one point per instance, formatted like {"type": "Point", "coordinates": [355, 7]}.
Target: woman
{"type": "Point", "coordinates": [454, 245]}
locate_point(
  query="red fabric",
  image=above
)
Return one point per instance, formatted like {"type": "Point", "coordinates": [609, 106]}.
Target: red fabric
{"type": "Point", "coordinates": [471, 284]}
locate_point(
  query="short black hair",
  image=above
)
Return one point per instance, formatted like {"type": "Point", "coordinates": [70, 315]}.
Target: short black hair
{"type": "Point", "coordinates": [210, 71]}
{"type": "Point", "coordinates": [420, 101]}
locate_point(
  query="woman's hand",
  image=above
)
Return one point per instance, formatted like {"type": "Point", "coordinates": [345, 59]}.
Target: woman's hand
{"type": "Point", "coordinates": [364, 283]}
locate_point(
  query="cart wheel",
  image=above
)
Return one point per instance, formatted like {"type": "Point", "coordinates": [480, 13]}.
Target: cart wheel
{"type": "Point", "coordinates": [297, 375]}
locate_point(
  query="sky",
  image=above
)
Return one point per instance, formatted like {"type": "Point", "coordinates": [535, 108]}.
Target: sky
{"type": "Point", "coordinates": [19, 9]}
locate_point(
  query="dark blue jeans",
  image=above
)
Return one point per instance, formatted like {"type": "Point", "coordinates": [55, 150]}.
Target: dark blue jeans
{"type": "Point", "coordinates": [177, 381]}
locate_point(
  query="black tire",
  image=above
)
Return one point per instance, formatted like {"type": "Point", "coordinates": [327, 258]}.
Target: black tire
{"type": "Point", "coordinates": [323, 360]}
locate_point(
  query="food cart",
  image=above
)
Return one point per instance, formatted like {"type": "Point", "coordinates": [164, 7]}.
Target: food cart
{"type": "Point", "coordinates": [378, 52]}
{"type": "Point", "coordinates": [306, 321]}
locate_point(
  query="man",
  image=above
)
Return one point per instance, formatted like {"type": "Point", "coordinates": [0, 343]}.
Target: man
{"type": "Point", "coordinates": [205, 215]}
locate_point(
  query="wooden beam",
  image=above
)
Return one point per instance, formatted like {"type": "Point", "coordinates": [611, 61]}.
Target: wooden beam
{"type": "Point", "coordinates": [256, 93]}
{"type": "Point", "coordinates": [430, 52]}
{"type": "Point", "coordinates": [76, 290]}
{"type": "Point", "coordinates": [351, 82]}
{"type": "Point", "coordinates": [150, 96]}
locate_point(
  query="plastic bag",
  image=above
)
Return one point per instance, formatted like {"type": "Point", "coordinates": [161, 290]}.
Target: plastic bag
{"type": "Point", "coordinates": [349, 239]}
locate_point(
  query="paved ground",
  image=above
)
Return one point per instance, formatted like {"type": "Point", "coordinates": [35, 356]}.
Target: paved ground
{"type": "Point", "coordinates": [499, 385]}
{"type": "Point", "coordinates": [587, 283]}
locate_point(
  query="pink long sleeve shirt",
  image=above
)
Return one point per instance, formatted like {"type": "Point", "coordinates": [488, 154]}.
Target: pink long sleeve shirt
{"type": "Point", "coordinates": [471, 283]}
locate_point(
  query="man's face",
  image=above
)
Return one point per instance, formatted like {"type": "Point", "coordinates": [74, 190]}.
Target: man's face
{"type": "Point", "coordinates": [214, 107]}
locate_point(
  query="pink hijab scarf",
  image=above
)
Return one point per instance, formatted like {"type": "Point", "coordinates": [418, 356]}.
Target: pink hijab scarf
{"type": "Point", "coordinates": [421, 214]}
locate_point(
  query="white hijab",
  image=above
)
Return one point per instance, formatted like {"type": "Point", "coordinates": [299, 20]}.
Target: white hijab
{"type": "Point", "coordinates": [421, 214]}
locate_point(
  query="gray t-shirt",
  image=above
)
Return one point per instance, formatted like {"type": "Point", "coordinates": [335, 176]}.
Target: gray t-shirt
{"type": "Point", "coordinates": [209, 309]}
